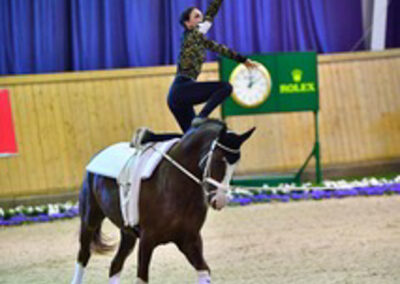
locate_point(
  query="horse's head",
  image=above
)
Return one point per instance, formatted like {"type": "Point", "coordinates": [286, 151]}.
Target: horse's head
{"type": "Point", "coordinates": [219, 161]}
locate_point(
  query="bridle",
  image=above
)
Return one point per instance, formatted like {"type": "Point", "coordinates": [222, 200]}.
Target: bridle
{"type": "Point", "coordinates": [208, 158]}
{"type": "Point", "coordinates": [206, 176]}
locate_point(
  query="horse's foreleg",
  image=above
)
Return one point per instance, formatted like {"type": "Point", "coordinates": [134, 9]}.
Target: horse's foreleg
{"type": "Point", "coordinates": [125, 248]}
{"type": "Point", "coordinates": [192, 248]}
{"type": "Point", "coordinates": [146, 248]}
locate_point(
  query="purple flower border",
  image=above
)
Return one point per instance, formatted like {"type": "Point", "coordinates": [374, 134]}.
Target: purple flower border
{"type": "Point", "coordinates": [238, 199]}
{"type": "Point", "coordinates": [20, 218]}
{"type": "Point", "coordinates": [265, 195]}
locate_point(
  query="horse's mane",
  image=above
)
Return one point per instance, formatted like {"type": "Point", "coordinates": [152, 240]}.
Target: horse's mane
{"type": "Point", "coordinates": [207, 131]}
{"type": "Point", "coordinates": [211, 125]}
{"type": "Point", "coordinates": [214, 121]}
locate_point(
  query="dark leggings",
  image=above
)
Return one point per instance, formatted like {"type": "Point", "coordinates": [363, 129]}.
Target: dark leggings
{"type": "Point", "coordinates": [185, 93]}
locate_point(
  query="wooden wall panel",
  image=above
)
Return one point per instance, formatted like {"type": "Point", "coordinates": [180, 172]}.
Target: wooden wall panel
{"type": "Point", "coordinates": [61, 120]}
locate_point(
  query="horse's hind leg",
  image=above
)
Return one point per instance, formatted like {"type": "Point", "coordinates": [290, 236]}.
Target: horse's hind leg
{"type": "Point", "coordinates": [91, 219]}
{"type": "Point", "coordinates": [192, 248]}
{"type": "Point", "coordinates": [125, 248]}
{"type": "Point", "coordinates": [146, 247]}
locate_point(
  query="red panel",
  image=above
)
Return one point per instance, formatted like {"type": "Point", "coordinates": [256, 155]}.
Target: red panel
{"type": "Point", "coordinates": [7, 134]}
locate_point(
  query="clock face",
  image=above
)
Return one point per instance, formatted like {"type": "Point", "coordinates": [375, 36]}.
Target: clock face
{"type": "Point", "coordinates": [250, 87]}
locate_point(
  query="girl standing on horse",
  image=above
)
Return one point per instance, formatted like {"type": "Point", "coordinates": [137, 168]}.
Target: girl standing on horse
{"type": "Point", "coordinates": [185, 91]}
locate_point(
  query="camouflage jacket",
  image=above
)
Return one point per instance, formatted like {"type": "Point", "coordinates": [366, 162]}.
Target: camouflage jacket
{"type": "Point", "coordinates": [194, 45]}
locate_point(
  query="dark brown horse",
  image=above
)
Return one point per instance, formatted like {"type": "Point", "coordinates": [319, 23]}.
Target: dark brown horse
{"type": "Point", "coordinates": [172, 205]}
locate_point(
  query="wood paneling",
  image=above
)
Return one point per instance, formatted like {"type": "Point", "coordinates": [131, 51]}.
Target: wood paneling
{"type": "Point", "coordinates": [61, 120]}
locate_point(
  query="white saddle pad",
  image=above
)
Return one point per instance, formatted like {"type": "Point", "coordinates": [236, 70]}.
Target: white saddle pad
{"type": "Point", "coordinates": [112, 160]}
{"type": "Point", "coordinates": [129, 167]}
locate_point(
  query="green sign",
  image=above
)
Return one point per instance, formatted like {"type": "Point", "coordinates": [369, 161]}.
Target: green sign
{"type": "Point", "coordinates": [284, 82]}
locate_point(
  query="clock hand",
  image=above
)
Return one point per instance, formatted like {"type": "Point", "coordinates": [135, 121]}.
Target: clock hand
{"type": "Point", "coordinates": [251, 83]}
{"type": "Point", "coordinates": [253, 80]}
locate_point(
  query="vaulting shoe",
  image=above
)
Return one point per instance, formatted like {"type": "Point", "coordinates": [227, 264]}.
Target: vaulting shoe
{"type": "Point", "coordinates": [198, 120]}
{"type": "Point", "coordinates": [141, 137]}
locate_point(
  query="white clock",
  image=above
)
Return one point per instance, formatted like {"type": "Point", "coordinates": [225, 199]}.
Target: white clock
{"type": "Point", "coordinates": [251, 87]}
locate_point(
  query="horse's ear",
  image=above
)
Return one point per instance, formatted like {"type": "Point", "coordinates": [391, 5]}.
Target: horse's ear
{"type": "Point", "coordinates": [246, 135]}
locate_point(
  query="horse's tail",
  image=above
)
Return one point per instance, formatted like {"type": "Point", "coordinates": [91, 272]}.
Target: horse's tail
{"type": "Point", "coordinates": [87, 201]}
{"type": "Point", "coordinates": [100, 243]}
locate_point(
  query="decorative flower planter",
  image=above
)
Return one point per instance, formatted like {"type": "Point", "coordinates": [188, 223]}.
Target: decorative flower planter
{"type": "Point", "coordinates": [330, 189]}
{"type": "Point", "coordinates": [238, 196]}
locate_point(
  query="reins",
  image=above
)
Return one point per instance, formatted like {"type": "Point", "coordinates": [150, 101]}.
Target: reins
{"type": "Point", "coordinates": [177, 165]}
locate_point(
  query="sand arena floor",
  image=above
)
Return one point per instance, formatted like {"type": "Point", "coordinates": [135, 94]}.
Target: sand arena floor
{"type": "Point", "coordinates": [355, 240]}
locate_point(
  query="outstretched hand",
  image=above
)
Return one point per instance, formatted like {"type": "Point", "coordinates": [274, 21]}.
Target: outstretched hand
{"type": "Point", "coordinates": [250, 64]}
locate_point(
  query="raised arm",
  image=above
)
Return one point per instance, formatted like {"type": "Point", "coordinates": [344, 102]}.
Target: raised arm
{"type": "Point", "coordinates": [211, 12]}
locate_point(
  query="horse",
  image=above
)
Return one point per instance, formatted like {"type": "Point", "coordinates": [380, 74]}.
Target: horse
{"type": "Point", "coordinates": [173, 202]}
